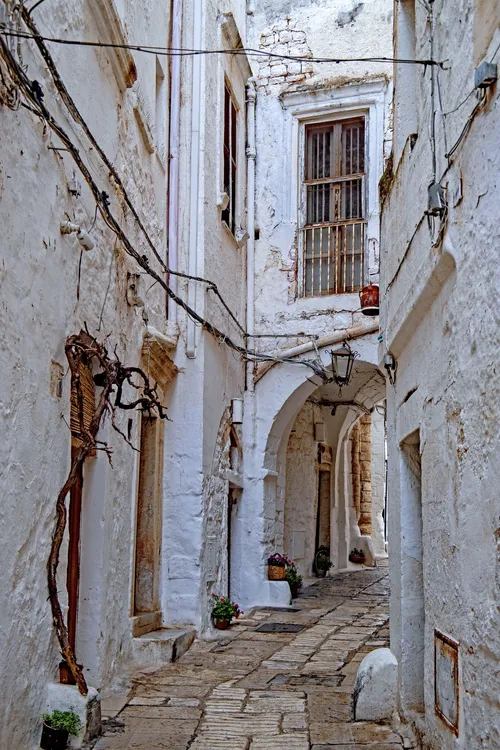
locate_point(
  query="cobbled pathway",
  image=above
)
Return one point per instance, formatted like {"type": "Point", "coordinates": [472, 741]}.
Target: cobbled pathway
{"type": "Point", "coordinates": [255, 690]}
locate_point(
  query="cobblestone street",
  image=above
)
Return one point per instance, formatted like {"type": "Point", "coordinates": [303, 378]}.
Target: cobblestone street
{"type": "Point", "coordinates": [258, 690]}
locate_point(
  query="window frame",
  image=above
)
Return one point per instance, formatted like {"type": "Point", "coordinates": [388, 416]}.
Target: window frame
{"type": "Point", "coordinates": [230, 148]}
{"type": "Point", "coordinates": [335, 120]}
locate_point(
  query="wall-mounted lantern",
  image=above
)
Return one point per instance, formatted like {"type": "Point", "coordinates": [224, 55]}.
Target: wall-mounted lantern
{"type": "Point", "coordinates": [342, 364]}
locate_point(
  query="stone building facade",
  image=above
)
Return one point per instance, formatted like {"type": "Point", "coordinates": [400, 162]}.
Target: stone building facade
{"type": "Point", "coordinates": [438, 319]}
{"type": "Point", "coordinates": [125, 161]}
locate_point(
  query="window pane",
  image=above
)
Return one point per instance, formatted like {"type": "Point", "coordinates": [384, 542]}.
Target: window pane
{"type": "Point", "coordinates": [334, 255]}
{"type": "Point", "coordinates": [353, 148]}
{"type": "Point", "coordinates": [319, 153]}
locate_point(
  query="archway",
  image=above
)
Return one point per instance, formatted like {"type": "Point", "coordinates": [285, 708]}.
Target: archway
{"type": "Point", "coordinates": [270, 414]}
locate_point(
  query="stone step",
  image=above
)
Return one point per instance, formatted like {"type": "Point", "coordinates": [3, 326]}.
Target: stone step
{"type": "Point", "coordinates": [161, 646]}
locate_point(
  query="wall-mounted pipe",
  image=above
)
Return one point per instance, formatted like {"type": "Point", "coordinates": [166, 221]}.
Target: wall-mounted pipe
{"type": "Point", "coordinates": [251, 156]}
{"type": "Point", "coordinates": [334, 338]}
{"type": "Point", "coordinates": [194, 207]}
{"type": "Point", "coordinates": [173, 150]}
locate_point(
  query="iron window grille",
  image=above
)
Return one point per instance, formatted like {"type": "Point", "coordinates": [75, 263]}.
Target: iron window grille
{"type": "Point", "coordinates": [333, 234]}
{"type": "Point", "coordinates": [230, 158]}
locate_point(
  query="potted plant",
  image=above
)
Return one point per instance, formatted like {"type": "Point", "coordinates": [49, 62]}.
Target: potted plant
{"type": "Point", "coordinates": [223, 611]}
{"type": "Point", "coordinates": [357, 556]}
{"type": "Point", "coordinates": [276, 567]}
{"type": "Point", "coordinates": [294, 578]}
{"type": "Point", "coordinates": [322, 562]}
{"type": "Point", "coordinates": [57, 726]}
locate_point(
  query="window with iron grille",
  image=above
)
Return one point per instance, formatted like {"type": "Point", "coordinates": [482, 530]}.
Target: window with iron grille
{"type": "Point", "coordinates": [230, 158]}
{"type": "Point", "coordinates": [333, 232]}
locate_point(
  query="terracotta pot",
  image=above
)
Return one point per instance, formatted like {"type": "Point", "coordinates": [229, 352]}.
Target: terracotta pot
{"type": "Point", "coordinates": [369, 297]}
{"type": "Point", "coordinates": [53, 739]}
{"type": "Point", "coordinates": [357, 558]}
{"type": "Point", "coordinates": [294, 588]}
{"type": "Point", "coordinates": [222, 624]}
{"type": "Point", "coordinates": [321, 573]}
{"type": "Point", "coordinates": [276, 572]}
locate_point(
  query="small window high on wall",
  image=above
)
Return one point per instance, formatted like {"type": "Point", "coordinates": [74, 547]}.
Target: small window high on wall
{"type": "Point", "coordinates": [334, 225]}
{"type": "Point", "coordinates": [230, 158]}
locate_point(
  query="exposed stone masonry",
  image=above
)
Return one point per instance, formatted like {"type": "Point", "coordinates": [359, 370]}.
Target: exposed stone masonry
{"type": "Point", "coordinates": [266, 691]}
{"type": "Point", "coordinates": [284, 39]}
{"type": "Point", "coordinates": [362, 473]}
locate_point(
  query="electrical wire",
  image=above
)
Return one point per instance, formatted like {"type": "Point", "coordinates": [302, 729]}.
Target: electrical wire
{"type": "Point", "coordinates": [39, 108]}
{"type": "Point", "coordinates": [76, 115]}
{"type": "Point", "coordinates": [184, 52]}
{"type": "Point", "coordinates": [33, 7]}
{"type": "Point", "coordinates": [466, 128]}
{"type": "Point", "coordinates": [440, 100]}
{"type": "Point", "coordinates": [452, 111]}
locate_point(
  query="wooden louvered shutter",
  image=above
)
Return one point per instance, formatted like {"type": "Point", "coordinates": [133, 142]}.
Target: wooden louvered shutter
{"type": "Point", "coordinates": [88, 404]}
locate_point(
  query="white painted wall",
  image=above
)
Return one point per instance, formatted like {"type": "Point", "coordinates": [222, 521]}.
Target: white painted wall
{"type": "Point", "coordinates": [40, 309]}
{"type": "Point", "coordinates": [438, 321]}
{"type": "Point", "coordinates": [287, 99]}
{"type": "Point", "coordinates": [378, 480]}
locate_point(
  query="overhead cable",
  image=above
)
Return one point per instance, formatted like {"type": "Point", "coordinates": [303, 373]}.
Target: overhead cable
{"type": "Point", "coordinates": [102, 201]}
{"type": "Point", "coordinates": [185, 52]}
{"type": "Point", "coordinates": [76, 115]}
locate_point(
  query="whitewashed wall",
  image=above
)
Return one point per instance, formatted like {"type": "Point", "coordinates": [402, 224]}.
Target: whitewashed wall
{"type": "Point", "coordinates": [439, 322]}
{"type": "Point", "coordinates": [290, 94]}
{"type": "Point", "coordinates": [39, 310]}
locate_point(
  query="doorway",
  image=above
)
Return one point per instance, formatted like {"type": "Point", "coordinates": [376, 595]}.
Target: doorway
{"type": "Point", "coordinates": [412, 578]}
{"type": "Point", "coordinates": [146, 604]}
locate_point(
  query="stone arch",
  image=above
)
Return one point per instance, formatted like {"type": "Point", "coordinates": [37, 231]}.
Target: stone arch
{"type": "Point", "coordinates": [271, 411]}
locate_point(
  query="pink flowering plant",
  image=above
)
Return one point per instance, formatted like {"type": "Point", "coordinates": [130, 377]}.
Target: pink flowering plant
{"type": "Point", "coordinates": [281, 561]}
{"type": "Point", "coordinates": [224, 609]}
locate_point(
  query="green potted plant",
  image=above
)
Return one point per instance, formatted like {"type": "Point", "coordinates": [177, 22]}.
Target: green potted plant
{"type": "Point", "coordinates": [57, 726]}
{"type": "Point", "coordinates": [357, 556]}
{"type": "Point", "coordinates": [294, 578]}
{"type": "Point", "coordinates": [223, 611]}
{"type": "Point", "coordinates": [322, 562]}
{"type": "Point", "coordinates": [276, 567]}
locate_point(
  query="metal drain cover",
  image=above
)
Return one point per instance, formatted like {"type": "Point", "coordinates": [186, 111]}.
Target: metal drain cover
{"type": "Point", "coordinates": [280, 609]}
{"type": "Point", "coordinates": [279, 627]}
{"type": "Point", "coordinates": [307, 679]}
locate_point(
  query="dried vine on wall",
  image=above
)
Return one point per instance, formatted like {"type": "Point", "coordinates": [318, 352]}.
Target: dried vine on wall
{"type": "Point", "coordinates": [112, 377]}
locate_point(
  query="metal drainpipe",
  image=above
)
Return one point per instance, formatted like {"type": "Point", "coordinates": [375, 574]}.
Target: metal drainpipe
{"type": "Point", "coordinates": [251, 156]}
{"type": "Point", "coordinates": [194, 207]}
{"type": "Point", "coordinates": [173, 150]}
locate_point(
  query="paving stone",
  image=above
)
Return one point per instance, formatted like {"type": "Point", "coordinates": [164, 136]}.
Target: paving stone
{"type": "Point", "coordinates": [207, 742]}
{"type": "Point", "coordinates": [143, 700]}
{"type": "Point", "coordinates": [266, 691]}
{"type": "Point", "coordinates": [185, 702]}
{"type": "Point", "coordinates": [296, 741]}
{"type": "Point", "coordinates": [274, 701]}
{"type": "Point", "coordinates": [345, 733]}
{"type": "Point", "coordinates": [330, 707]}
{"type": "Point", "coordinates": [364, 746]}
{"type": "Point", "coordinates": [159, 712]}
{"type": "Point", "coordinates": [240, 724]}
{"type": "Point", "coordinates": [294, 722]}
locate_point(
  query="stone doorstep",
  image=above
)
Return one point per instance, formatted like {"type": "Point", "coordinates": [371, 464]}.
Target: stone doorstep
{"type": "Point", "coordinates": [161, 646]}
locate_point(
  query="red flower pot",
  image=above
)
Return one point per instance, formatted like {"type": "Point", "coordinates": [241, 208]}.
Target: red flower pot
{"type": "Point", "coordinates": [357, 558]}
{"type": "Point", "coordinates": [222, 624]}
{"type": "Point", "coordinates": [369, 297]}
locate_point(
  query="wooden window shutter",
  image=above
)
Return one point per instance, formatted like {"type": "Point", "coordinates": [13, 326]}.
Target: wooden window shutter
{"type": "Point", "coordinates": [88, 404]}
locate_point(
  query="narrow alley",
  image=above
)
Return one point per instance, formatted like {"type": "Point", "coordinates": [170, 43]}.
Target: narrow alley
{"type": "Point", "coordinates": [259, 686]}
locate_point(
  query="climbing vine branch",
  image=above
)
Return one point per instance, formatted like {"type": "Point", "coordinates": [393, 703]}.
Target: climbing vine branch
{"type": "Point", "coordinates": [83, 350]}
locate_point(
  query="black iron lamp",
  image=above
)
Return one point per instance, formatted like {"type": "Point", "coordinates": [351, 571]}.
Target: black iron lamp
{"type": "Point", "coordinates": [342, 364]}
